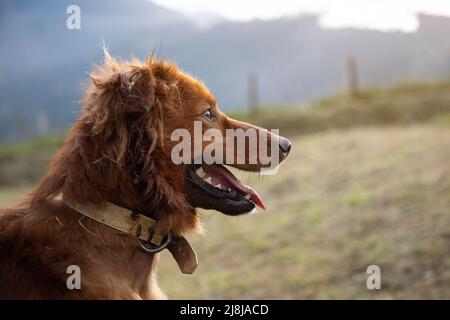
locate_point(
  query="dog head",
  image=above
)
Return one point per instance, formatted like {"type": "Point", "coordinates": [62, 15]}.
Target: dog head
{"type": "Point", "coordinates": [153, 139]}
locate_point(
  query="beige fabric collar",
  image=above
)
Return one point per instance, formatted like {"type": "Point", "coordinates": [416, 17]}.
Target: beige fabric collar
{"type": "Point", "coordinates": [120, 219]}
{"type": "Point", "coordinates": [145, 228]}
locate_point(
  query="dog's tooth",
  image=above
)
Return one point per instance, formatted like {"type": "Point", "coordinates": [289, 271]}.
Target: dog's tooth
{"type": "Point", "coordinates": [248, 196]}
{"type": "Point", "coordinates": [219, 186]}
{"type": "Point", "coordinates": [209, 180]}
{"type": "Point", "coordinates": [200, 172]}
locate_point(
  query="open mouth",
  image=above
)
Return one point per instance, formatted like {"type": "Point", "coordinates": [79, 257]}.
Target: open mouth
{"type": "Point", "coordinates": [215, 187]}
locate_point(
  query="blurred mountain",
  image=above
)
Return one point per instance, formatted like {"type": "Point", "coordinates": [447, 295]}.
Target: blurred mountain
{"type": "Point", "coordinates": [205, 20]}
{"type": "Point", "coordinates": [43, 64]}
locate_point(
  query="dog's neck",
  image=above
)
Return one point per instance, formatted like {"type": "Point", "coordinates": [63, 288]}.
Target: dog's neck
{"type": "Point", "coordinates": [127, 272]}
{"type": "Point", "coordinates": [149, 236]}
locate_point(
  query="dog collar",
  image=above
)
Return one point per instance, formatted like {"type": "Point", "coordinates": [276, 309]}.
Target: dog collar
{"type": "Point", "coordinates": [143, 228]}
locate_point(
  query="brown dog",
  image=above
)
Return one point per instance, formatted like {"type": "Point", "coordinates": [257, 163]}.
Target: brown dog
{"type": "Point", "coordinates": [113, 197]}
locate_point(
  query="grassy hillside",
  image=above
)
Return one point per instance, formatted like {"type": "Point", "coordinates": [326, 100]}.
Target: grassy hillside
{"type": "Point", "coordinates": [343, 201]}
{"type": "Point", "coordinates": [369, 184]}
{"type": "Point", "coordinates": [406, 103]}
{"type": "Point", "coordinates": [24, 163]}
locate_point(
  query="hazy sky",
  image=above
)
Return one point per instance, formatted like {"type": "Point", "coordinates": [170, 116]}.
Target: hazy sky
{"type": "Point", "coordinates": [379, 14]}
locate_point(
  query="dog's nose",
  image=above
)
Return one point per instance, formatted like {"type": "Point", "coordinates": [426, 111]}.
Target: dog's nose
{"type": "Point", "coordinates": [285, 146]}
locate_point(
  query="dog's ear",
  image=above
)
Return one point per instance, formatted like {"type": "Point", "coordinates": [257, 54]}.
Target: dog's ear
{"type": "Point", "coordinates": [132, 86]}
{"type": "Point", "coordinates": [121, 107]}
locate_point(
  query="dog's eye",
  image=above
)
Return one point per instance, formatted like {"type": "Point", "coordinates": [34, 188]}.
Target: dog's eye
{"type": "Point", "coordinates": [209, 115]}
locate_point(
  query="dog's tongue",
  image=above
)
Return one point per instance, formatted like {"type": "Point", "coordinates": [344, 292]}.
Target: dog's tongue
{"type": "Point", "coordinates": [226, 178]}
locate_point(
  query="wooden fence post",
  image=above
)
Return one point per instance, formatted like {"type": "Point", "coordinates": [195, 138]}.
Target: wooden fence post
{"type": "Point", "coordinates": [252, 91]}
{"type": "Point", "coordinates": [352, 76]}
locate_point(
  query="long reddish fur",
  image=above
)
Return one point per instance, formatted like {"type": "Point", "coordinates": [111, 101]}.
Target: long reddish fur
{"type": "Point", "coordinates": [114, 152]}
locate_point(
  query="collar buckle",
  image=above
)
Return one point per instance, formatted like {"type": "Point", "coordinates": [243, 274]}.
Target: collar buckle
{"type": "Point", "coordinates": [142, 245]}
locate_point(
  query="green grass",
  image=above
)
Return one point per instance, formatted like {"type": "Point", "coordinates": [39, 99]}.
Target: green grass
{"type": "Point", "coordinates": [24, 162]}
{"type": "Point", "coordinates": [29, 147]}
{"type": "Point", "coordinates": [10, 196]}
